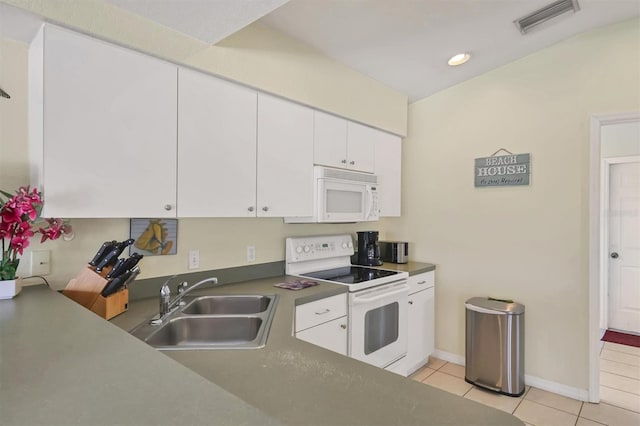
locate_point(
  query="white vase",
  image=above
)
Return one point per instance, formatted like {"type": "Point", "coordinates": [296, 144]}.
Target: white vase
{"type": "Point", "coordinates": [10, 288]}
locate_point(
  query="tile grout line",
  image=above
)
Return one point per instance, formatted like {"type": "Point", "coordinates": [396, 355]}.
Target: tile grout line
{"type": "Point", "coordinates": [619, 375]}
{"type": "Point", "coordinates": [621, 390]}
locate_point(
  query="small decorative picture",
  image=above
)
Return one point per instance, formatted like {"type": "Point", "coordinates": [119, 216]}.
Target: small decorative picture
{"type": "Point", "coordinates": [154, 237]}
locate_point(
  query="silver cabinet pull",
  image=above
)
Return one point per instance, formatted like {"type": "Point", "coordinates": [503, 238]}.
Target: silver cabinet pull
{"type": "Point", "coordinates": [265, 208]}
{"type": "Point", "coordinates": [352, 163]}
{"type": "Point", "coordinates": [421, 282]}
{"type": "Point", "coordinates": [343, 326]}
{"type": "Point", "coordinates": [411, 302]}
{"type": "Point", "coordinates": [250, 208]}
{"type": "Point", "coordinates": [344, 161]}
{"type": "Point", "coordinates": [614, 255]}
{"type": "Point", "coordinates": [326, 311]}
{"type": "Point", "coordinates": [167, 207]}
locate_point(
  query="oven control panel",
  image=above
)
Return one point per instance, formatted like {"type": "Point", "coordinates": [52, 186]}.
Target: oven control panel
{"type": "Point", "coordinates": [302, 249]}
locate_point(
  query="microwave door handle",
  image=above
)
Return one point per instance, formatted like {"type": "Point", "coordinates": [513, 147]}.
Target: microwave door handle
{"type": "Point", "coordinates": [369, 202]}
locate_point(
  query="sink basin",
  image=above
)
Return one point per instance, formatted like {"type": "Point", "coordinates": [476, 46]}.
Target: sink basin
{"type": "Point", "coordinates": [197, 332]}
{"type": "Point", "coordinates": [227, 305]}
{"type": "Point", "coordinates": [212, 322]}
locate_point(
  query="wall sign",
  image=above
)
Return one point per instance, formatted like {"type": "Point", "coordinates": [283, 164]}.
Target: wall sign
{"type": "Point", "coordinates": [503, 170]}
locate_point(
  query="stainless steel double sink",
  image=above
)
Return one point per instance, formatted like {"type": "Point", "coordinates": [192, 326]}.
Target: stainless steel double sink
{"type": "Point", "coordinates": [213, 322]}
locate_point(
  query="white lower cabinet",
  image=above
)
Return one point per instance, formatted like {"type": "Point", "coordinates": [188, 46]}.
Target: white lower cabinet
{"type": "Point", "coordinates": [331, 335]}
{"type": "Point", "coordinates": [324, 323]}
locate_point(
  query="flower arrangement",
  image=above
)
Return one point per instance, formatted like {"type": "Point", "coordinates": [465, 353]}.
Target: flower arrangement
{"type": "Point", "coordinates": [19, 217]}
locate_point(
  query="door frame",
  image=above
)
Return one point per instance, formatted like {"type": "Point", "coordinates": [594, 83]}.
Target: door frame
{"type": "Point", "coordinates": [597, 250]}
{"type": "Point", "coordinates": [604, 249]}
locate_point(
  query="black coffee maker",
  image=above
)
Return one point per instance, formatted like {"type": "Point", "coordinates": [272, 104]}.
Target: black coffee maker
{"type": "Point", "coordinates": [368, 249]}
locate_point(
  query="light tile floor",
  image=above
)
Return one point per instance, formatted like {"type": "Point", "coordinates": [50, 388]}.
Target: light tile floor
{"type": "Point", "coordinates": [619, 393]}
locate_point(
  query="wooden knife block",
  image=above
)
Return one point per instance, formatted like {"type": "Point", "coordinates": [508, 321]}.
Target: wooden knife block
{"type": "Point", "coordinates": [85, 289]}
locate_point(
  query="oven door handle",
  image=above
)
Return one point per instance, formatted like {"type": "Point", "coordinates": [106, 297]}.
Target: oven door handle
{"type": "Point", "coordinates": [361, 299]}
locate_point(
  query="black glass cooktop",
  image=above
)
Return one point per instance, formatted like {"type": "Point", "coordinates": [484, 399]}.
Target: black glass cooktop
{"type": "Point", "coordinates": [349, 274]}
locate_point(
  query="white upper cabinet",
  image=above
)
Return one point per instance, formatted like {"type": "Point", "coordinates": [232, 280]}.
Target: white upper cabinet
{"type": "Point", "coordinates": [109, 132]}
{"type": "Point", "coordinates": [360, 147]}
{"type": "Point", "coordinates": [388, 161]}
{"type": "Point", "coordinates": [216, 147]}
{"type": "Point", "coordinates": [343, 144]}
{"type": "Point", "coordinates": [285, 158]}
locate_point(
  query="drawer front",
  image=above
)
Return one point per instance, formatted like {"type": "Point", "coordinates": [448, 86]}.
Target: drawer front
{"type": "Point", "coordinates": [320, 311]}
{"type": "Point", "coordinates": [331, 335]}
{"type": "Point", "coordinates": [421, 281]}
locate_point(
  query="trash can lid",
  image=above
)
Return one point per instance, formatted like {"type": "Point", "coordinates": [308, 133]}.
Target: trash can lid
{"type": "Point", "coordinates": [500, 305]}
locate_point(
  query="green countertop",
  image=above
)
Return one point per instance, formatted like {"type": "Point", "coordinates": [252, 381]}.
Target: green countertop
{"type": "Point", "coordinates": [61, 364]}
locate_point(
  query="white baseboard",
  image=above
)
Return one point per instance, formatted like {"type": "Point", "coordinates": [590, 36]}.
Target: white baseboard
{"type": "Point", "coordinates": [448, 356]}
{"type": "Point", "coordinates": [536, 382]}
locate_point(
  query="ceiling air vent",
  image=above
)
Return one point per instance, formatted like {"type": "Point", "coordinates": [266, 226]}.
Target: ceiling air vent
{"type": "Point", "coordinates": [530, 21]}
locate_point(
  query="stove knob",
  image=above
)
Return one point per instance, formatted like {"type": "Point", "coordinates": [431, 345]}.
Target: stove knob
{"type": "Point", "coordinates": [307, 249]}
{"type": "Point", "coordinates": [344, 245]}
{"type": "Point", "coordinates": [350, 244]}
{"type": "Point", "coordinates": [298, 249]}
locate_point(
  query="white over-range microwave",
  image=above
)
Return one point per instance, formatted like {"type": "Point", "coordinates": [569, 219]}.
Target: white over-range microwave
{"type": "Point", "coordinates": [342, 196]}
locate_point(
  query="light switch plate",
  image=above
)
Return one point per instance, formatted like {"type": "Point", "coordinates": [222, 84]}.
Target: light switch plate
{"type": "Point", "coordinates": [194, 259]}
{"type": "Point", "coordinates": [40, 262]}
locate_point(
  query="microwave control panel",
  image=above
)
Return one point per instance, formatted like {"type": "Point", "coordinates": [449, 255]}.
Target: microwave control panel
{"type": "Point", "coordinates": [302, 249]}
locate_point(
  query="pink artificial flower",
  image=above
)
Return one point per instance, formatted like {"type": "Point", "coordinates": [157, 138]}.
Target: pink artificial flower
{"type": "Point", "coordinates": [19, 243]}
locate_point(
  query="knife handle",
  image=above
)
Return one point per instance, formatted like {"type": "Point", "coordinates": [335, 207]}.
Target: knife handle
{"type": "Point", "coordinates": [116, 268]}
{"type": "Point", "coordinates": [115, 284]}
{"type": "Point", "coordinates": [104, 249]}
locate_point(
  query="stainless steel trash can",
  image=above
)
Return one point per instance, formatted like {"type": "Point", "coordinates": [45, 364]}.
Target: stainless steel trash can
{"type": "Point", "coordinates": [495, 345]}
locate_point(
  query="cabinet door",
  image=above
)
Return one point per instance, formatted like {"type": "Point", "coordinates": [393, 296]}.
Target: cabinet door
{"type": "Point", "coordinates": [109, 130]}
{"type": "Point", "coordinates": [388, 152]}
{"type": "Point", "coordinates": [216, 147]}
{"type": "Point", "coordinates": [331, 335]}
{"type": "Point", "coordinates": [421, 329]}
{"type": "Point", "coordinates": [329, 140]}
{"type": "Point", "coordinates": [361, 147]}
{"type": "Point", "coordinates": [285, 158]}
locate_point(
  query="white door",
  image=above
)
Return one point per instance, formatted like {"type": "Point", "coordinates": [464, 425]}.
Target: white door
{"type": "Point", "coordinates": [216, 147]}
{"type": "Point", "coordinates": [624, 247]}
{"type": "Point", "coordinates": [109, 129]}
{"type": "Point", "coordinates": [329, 140]}
{"type": "Point", "coordinates": [285, 158]}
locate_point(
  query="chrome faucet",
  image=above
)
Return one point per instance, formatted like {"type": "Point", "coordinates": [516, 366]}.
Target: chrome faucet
{"type": "Point", "coordinates": [167, 305]}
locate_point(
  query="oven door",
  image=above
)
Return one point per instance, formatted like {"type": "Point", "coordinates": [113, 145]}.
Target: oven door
{"type": "Point", "coordinates": [342, 201]}
{"type": "Point", "coordinates": [378, 324]}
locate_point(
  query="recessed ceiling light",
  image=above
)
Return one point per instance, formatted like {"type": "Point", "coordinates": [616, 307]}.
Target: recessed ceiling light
{"type": "Point", "coordinates": [458, 59]}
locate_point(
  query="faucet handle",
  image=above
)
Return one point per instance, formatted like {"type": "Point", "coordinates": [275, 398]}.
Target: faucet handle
{"type": "Point", "coordinates": [182, 287]}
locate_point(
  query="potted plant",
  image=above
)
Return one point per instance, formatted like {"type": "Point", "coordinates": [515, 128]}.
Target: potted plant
{"type": "Point", "coordinates": [19, 221]}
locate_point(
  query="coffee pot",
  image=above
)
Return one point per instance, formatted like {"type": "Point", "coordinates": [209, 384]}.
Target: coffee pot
{"type": "Point", "coordinates": [368, 249]}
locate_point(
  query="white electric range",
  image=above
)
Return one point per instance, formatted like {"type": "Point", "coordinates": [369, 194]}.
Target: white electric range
{"type": "Point", "coordinates": [378, 298]}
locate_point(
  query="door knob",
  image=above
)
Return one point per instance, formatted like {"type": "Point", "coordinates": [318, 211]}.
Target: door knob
{"type": "Point", "coordinates": [614, 255]}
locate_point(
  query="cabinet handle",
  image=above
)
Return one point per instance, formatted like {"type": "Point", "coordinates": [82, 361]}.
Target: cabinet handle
{"type": "Point", "coordinates": [343, 326]}
{"type": "Point", "coordinates": [344, 161]}
{"type": "Point", "coordinates": [326, 311]}
{"type": "Point", "coordinates": [265, 208]}
{"type": "Point", "coordinates": [167, 207]}
{"type": "Point", "coordinates": [421, 282]}
{"type": "Point", "coordinates": [352, 162]}
{"type": "Point", "coordinates": [250, 208]}
{"type": "Point", "coordinates": [411, 302]}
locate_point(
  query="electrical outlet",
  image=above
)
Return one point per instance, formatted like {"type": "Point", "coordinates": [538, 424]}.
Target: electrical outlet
{"type": "Point", "coordinates": [40, 262]}
{"type": "Point", "coordinates": [251, 254]}
{"type": "Point", "coordinates": [194, 259]}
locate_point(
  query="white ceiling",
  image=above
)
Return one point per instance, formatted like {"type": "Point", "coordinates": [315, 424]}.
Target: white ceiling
{"type": "Point", "coordinates": [406, 43]}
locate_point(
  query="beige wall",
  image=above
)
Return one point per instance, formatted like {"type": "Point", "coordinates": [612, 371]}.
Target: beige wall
{"type": "Point", "coordinates": [259, 57]}
{"type": "Point", "coordinates": [528, 243]}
